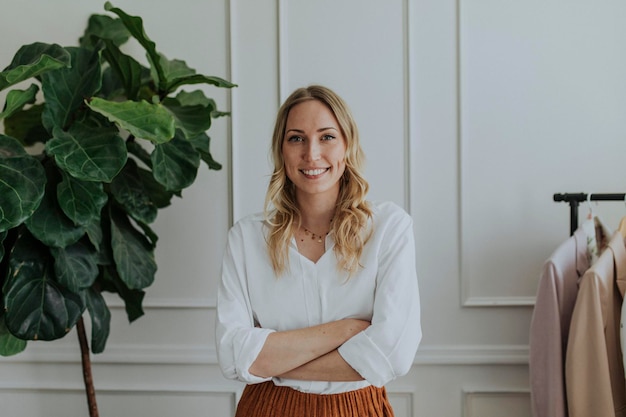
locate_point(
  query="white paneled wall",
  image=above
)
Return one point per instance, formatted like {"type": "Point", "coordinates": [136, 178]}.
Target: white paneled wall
{"type": "Point", "coordinates": [472, 114]}
{"type": "Point", "coordinates": [541, 96]}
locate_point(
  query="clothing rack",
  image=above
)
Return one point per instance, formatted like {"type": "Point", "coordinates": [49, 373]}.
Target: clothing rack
{"type": "Point", "coordinates": [574, 199]}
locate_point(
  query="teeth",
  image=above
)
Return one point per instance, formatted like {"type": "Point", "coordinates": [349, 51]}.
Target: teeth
{"type": "Point", "coordinates": [313, 171]}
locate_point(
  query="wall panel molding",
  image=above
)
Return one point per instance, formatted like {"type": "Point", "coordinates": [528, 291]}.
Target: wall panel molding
{"type": "Point", "coordinates": [255, 66]}
{"type": "Point", "coordinates": [233, 132]}
{"type": "Point", "coordinates": [472, 355]}
{"type": "Point", "coordinates": [212, 396]}
{"type": "Point", "coordinates": [402, 401]}
{"type": "Point", "coordinates": [57, 386]}
{"type": "Point", "coordinates": [207, 355]}
{"type": "Point", "coordinates": [473, 301]}
{"type": "Point", "coordinates": [282, 31]}
{"type": "Point", "coordinates": [409, 97]}
{"type": "Point", "coordinates": [468, 295]}
{"type": "Point", "coordinates": [145, 354]}
{"type": "Point", "coordinates": [234, 147]}
{"type": "Point", "coordinates": [491, 402]}
{"type": "Point", "coordinates": [171, 303]}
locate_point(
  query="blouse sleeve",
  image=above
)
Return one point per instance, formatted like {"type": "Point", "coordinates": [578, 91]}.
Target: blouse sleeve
{"type": "Point", "coordinates": [386, 349]}
{"type": "Point", "coordinates": [238, 340]}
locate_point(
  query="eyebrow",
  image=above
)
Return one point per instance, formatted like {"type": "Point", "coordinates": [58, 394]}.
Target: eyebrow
{"type": "Point", "coordinates": [318, 130]}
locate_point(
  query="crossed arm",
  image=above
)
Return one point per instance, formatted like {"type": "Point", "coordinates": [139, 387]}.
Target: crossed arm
{"type": "Point", "coordinates": [309, 353]}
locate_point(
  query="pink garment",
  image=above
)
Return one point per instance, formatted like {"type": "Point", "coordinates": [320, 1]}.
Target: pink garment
{"type": "Point", "coordinates": [549, 327]}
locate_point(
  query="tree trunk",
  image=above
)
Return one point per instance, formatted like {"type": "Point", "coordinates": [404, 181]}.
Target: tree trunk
{"type": "Point", "coordinates": [86, 361]}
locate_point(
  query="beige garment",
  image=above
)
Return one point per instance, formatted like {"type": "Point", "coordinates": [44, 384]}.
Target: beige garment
{"type": "Point", "coordinates": [549, 326]}
{"type": "Point", "coordinates": [594, 375]}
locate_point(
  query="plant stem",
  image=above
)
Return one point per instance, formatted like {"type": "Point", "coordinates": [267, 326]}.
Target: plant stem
{"type": "Point", "coordinates": [86, 361]}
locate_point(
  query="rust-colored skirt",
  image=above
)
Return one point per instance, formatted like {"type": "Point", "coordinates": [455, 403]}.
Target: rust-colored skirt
{"type": "Point", "coordinates": [268, 400]}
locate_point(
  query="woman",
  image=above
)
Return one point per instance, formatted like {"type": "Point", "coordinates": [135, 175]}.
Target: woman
{"type": "Point", "coordinates": [318, 306]}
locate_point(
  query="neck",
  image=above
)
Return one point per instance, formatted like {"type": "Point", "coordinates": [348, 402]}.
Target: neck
{"type": "Point", "coordinates": [316, 212]}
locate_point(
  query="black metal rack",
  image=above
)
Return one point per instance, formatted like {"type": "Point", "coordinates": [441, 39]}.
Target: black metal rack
{"type": "Point", "coordinates": [574, 199]}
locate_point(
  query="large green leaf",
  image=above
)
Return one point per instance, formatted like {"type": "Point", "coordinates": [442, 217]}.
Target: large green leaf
{"type": "Point", "coordinates": [202, 144]}
{"type": "Point", "coordinates": [32, 60]}
{"type": "Point", "coordinates": [75, 266]}
{"type": "Point", "coordinates": [175, 69]}
{"type": "Point", "coordinates": [87, 153]}
{"type": "Point", "coordinates": [81, 201]}
{"type": "Point", "coordinates": [96, 237]}
{"type": "Point", "coordinates": [114, 89]}
{"type": "Point", "coordinates": [142, 119]}
{"type": "Point", "coordinates": [134, 24]}
{"type": "Point", "coordinates": [149, 233]}
{"type": "Point", "coordinates": [133, 299]}
{"type": "Point", "coordinates": [37, 307]}
{"type": "Point", "coordinates": [26, 125]}
{"type": "Point", "coordinates": [9, 344]}
{"type": "Point", "coordinates": [200, 79]}
{"type": "Point", "coordinates": [128, 190]}
{"type": "Point", "coordinates": [127, 69]}
{"type": "Point", "coordinates": [133, 254]}
{"type": "Point", "coordinates": [65, 89]}
{"type": "Point", "coordinates": [191, 119]}
{"type": "Point", "coordinates": [177, 73]}
{"type": "Point", "coordinates": [157, 193]}
{"type": "Point", "coordinates": [139, 151]}
{"type": "Point", "coordinates": [100, 320]}
{"type": "Point", "coordinates": [196, 97]}
{"type": "Point", "coordinates": [175, 163]}
{"type": "Point", "coordinates": [48, 223]}
{"type": "Point", "coordinates": [104, 27]}
{"type": "Point", "coordinates": [16, 99]}
{"type": "Point", "coordinates": [99, 235]}
{"type": "Point", "coordinates": [22, 183]}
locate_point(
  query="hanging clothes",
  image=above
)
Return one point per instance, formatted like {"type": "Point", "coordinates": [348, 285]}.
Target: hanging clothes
{"type": "Point", "coordinates": [621, 284]}
{"type": "Point", "coordinates": [549, 327]}
{"type": "Point", "coordinates": [594, 372]}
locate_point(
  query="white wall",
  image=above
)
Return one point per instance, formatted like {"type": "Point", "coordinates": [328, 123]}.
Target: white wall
{"type": "Point", "coordinates": [472, 114]}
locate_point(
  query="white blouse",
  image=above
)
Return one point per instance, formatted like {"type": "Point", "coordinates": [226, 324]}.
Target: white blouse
{"type": "Point", "coordinates": [252, 302]}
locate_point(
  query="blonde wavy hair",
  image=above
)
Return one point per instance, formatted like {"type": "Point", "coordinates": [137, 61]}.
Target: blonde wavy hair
{"type": "Point", "coordinates": [352, 213]}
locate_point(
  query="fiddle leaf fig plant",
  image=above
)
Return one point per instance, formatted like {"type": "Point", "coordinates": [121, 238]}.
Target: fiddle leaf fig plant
{"type": "Point", "coordinates": [93, 146]}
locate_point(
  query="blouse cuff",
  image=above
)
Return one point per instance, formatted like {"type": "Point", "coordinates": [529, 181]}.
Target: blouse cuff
{"type": "Point", "coordinates": [248, 355]}
{"type": "Point", "coordinates": [367, 359]}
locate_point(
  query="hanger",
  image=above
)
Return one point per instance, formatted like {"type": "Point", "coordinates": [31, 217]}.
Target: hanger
{"type": "Point", "coordinates": [597, 233]}
{"type": "Point", "coordinates": [591, 214]}
{"type": "Point", "coordinates": [622, 224]}
{"type": "Point", "coordinates": [589, 227]}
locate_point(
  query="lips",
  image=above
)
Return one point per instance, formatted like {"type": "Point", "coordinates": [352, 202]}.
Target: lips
{"type": "Point", "coordinates": [314, 172]}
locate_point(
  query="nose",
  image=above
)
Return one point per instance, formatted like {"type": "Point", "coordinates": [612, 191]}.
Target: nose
{"type": "Point", "coordinates": [312, 151]}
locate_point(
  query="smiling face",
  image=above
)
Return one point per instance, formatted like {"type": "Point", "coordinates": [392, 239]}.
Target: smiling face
{"type": "Point", "coordinates": [314, 150]}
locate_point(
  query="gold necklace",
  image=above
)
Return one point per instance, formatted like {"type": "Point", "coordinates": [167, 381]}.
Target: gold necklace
{"type": "Point", "coordinates": [315, 236]}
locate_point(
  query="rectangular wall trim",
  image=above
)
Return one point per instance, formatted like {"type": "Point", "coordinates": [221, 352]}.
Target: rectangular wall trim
{"type": "Point", "coordinates": [206, 355]}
